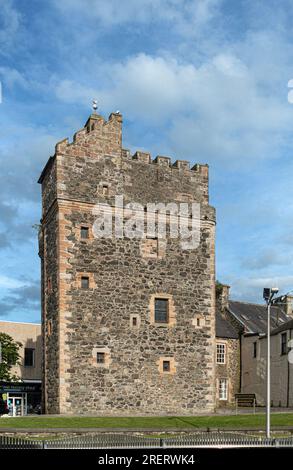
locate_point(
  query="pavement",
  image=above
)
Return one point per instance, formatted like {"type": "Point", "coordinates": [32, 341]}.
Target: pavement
{"type": "Point", "coordinates": [243, 411]}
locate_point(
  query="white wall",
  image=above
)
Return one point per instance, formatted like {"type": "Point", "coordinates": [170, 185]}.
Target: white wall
{"type": "Point", "coordinates": [254, 370]}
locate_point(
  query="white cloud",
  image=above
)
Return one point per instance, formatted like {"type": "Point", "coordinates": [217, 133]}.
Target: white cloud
{"type": "Point", "coordinates": [10, 20]}
{"type": "Point", "coordinates": [250, 289]}
{"type": "Point", "coordinates": [187, 16]}
{"type": "Point", "coordinates": [7, 282]}
{"type": "Point", "coordinates": [269, 257]}
{"type": "Point", "coordinates": [70, 91]}
{"type": "Point", "coordinates": [28, 154]}
{"type": "Point", "coordinates": [219, 108]}
{"type": "Point", "coordinates": [12, 77]}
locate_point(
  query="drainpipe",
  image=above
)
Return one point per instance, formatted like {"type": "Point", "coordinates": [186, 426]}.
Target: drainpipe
{"type": "Point", "coordinates": [240, 365]}
{"type": "Point", "coordinates": [288, 376]}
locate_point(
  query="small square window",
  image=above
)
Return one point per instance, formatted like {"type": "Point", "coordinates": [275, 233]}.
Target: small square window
{"type": "Point", "coordinates": [134, 321]}
{"type": "Point", "coordinates": [198, 321]}
{"type": "Point", "coordinates": [150, 247]}
{"type": "Point", "coordinates": [166, 366]}
{"type": "Point", "coordinates": [84, 233]}
{"type": "Point", "coordinates": [152, 244]}
{"type": "Point", "coordinates": [105, 190]}
{"type": "Point", "coordinates": [100, 358]}
{"type": "Point", "coordinates": [161, 310]}
{"type": "Point", "coordinates": [85, 282]}
{"type": "Point", "coordinates": [284, 344]}
{"type": "Point", "coordinates": [254, 349]}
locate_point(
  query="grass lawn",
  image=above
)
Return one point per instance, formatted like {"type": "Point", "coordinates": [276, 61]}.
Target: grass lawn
{"type": "Point", "coordinates": [160, 423]}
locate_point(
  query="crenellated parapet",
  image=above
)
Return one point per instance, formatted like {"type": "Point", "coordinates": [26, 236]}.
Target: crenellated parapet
{"type": "Point", "coordinates": [166, 162]}
{"type": "Point", "coordinates": [95, 165]}
{"type": "Point", "coordinates": [100, 135]}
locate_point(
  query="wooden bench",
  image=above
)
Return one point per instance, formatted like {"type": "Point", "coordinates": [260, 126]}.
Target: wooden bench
{"type": "Point", "coordinates": [245, 399]}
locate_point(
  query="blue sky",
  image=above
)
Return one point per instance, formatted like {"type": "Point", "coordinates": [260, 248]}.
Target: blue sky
{"type": "Point", "coordinates": [204, 80]}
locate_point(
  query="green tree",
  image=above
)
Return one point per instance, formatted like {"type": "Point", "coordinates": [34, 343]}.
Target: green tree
{"type": "Point", "coordinates": [9, 357]}
{"type": "Point", "coordinates": [219, 288]}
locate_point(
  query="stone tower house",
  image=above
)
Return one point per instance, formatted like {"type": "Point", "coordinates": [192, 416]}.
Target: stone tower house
{"type": "Point", "coordinates": [128, 323]}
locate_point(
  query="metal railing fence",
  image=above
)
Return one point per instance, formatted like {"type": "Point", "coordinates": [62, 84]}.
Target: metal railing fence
{"type": "Point", "coordinates": [125, 441]}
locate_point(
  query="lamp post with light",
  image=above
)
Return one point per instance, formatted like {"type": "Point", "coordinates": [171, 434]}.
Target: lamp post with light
{"type": "Point", "coordinates": [268, 294]}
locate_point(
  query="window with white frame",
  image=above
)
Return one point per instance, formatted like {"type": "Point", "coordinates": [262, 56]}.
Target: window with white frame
{"type": "Point", "coordinates": [223, 389]}
{"type": "Point", "coordinates": [221, 353]}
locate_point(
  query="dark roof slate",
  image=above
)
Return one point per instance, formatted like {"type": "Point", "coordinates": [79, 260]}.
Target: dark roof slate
{"type": "Point", "coordinates": [254, 316]}
{"type": "Point", "coordinates": [224, 329]}
{"type": "Point", "coordinates": [286, 326]}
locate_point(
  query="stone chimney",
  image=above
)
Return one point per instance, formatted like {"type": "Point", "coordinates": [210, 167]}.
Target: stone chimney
{"type": "Point", "coordinates": [286, 303]}
{"type": "Point", "coordinates": [222, 296]}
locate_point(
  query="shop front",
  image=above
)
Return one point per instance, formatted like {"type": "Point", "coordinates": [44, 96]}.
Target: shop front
{"type": "Point", "coordinates": [22, 398]}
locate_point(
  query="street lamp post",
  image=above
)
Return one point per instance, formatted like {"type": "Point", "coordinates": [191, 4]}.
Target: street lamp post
{"type": "Point", "coordinates": [268, 420]}
{"type": "Point", "coordinates": [268, 294]}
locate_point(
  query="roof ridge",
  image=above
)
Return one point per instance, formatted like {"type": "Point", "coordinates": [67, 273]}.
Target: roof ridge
{"type": "Point", "coordinates": [252, 303]}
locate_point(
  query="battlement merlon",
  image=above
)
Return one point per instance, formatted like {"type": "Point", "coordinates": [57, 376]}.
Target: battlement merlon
{"type": "Point", "coordinates": [166, 162]}
{"type": "Point", "coordinates": [97, 137]}
{"type": "Point", "coordinates": [103, 136]}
